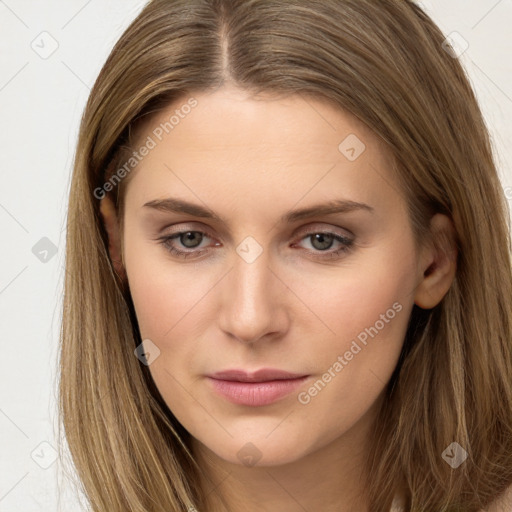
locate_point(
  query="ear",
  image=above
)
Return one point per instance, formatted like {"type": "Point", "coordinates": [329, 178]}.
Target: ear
{"type": "Point", "coordinates": [438, 263]}
{"type": "Point", "coordinates": [111, 223]}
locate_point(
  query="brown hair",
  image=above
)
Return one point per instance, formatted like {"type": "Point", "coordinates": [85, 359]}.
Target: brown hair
{"type": "Point", "coordinates": [384, 62]}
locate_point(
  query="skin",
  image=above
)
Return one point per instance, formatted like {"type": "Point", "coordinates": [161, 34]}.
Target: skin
{"type": "Point", "coordinates": [251, 160]}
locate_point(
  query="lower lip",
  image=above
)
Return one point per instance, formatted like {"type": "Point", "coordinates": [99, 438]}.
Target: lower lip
{"type": "Point", "coordinates": [256, 393]}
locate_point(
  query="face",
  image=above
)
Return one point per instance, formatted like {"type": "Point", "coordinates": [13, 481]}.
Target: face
{"type": "Point", "coordinates": [250, 277]}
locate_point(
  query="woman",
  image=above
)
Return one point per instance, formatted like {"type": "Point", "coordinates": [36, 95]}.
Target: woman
{"type": "Point", "coordinates": [288, 281]}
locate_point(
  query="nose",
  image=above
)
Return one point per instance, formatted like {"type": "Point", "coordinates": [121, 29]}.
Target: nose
{"type": "Point", "coordinates": [253, 301]}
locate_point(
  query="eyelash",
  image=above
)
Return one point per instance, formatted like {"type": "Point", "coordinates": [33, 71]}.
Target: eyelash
{"type": "Point", "coordinates": [346, 247]}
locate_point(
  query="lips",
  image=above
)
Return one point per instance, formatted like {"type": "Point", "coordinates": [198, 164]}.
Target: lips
{"type": "Point", "coordinates": [255, 389]}
{"type": "Point", "coordinates": [263, 375]}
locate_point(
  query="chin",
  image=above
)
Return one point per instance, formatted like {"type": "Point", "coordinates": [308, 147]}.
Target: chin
{"type": "Point", "coordinates": [259, 450]}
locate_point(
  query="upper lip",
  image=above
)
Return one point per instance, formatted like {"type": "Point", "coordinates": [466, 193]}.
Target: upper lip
{"type": "Point", "coordinates": [263, 375]}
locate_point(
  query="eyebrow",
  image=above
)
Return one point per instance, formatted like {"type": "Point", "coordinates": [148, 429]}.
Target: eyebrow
{"type": "Point", "coordinates": [174, 205]}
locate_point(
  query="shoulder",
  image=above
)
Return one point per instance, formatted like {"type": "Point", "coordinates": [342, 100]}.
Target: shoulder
{"type": "Point", "coordinates": [502, 504]}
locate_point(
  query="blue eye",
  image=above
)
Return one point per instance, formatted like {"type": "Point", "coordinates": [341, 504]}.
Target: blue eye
{"type": "Point", "coordinates": [191, 240]}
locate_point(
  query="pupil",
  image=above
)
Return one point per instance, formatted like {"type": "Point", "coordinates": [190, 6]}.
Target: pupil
{"type": "Point", "coordinates": [189, 237]}
{"type": "Point", "coordinates": [322, 239]}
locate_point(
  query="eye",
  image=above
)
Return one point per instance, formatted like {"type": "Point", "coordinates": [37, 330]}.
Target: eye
{"type": "Point", "coordinates": [191, 241]}
{"type": "Point", "coordinates": [322, 241]}
{"type": "Point", "coordinates": [188, 239]}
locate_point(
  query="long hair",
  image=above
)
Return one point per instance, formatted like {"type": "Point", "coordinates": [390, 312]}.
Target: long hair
{"type": "Point", "coordinates": [386, 63]}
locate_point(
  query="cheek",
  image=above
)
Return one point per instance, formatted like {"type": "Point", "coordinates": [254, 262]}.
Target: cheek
{"type": "Point", "coordinates": [360, 302]}
{"type": "Point", "coordinates": [169, 305]}
{"type": "Point", "coordinates": [355, 298]}
{"type": "Point", "coordinates": [367, 309]}
{"type": "Point", "coordinates": [161, 290]}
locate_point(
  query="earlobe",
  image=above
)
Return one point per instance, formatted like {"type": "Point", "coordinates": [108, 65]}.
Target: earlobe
{"type": "Point", "coordinates": [111, 223]}
{"type": "Point", "coordinates": [439, 263]}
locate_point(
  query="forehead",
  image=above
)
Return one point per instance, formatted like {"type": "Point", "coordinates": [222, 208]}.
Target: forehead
{"type": "Point", "coordinates": [268, 120]}
{"type": "Point", "coordinates": [231, 142]}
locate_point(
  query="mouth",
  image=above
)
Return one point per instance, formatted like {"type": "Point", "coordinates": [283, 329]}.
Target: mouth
{"type": "Point", "coordinates": [256, 389]}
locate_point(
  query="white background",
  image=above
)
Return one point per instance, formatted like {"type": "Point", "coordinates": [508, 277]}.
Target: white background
{"type": "Point", "coordinates": [41, 102]}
